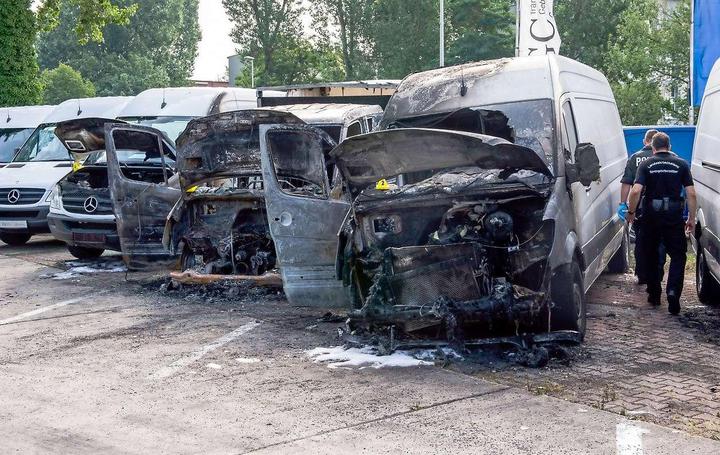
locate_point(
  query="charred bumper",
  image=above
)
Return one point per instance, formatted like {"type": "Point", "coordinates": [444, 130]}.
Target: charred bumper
{"type": "Point", "coordinates": [446, 292]}
{"type": "Point", "coordinates": [90, 233]}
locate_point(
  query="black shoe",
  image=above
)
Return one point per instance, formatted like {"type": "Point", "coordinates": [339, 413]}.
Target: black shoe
{"type": "Point", "coordinates": [654, 300]}
{"type": "Point", "coordinates": [673, 304]}
{"type": "Point", "coordinates": [641, 282]}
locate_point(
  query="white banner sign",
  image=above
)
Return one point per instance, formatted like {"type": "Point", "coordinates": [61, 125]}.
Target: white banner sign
{"type": "Point", "coordinates": [537, 32]}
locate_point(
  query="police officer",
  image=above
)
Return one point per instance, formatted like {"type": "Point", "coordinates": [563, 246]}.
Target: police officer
{"type": "Point", "coordinates": [662, 179]}
{"type": "Point", "coordinates": [627, 182]}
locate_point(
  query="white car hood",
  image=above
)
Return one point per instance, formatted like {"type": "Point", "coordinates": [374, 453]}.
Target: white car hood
{"type": "Point", "coordinates": [35, 175]}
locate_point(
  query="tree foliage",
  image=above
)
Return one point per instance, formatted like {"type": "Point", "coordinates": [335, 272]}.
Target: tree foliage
{"type": "Point", "coordinates": [648, 63]}
{"type": "Point", "coordinates": [64, 83]}
{"type": "Point", "coordinates": [347, 21]}
{"type": "Point", "coordinates": [156, 48]}
{"type": "Point", "coordinates": [18, 67]}
{"type": "Point", "coordinates": [92, 16]}
{"type": "Point", "coordinates": [479, 30]}
{"type": "Point", "coordinates": [264, 27]}
{"type": "Point", "coordinates": [405, 36]}
{"type": "Point", "coordinates": [588, 27]}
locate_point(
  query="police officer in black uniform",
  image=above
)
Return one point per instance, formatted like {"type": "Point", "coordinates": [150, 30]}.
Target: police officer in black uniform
{"type": "Point", "coordinates": [627, 181]}
{"type": "Point", "coordinates": [662, 179]}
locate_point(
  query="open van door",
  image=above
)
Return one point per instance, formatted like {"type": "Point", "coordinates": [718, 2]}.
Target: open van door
{"type": "Point", "coordinates": [142, 196]}
{"type": "Point", "coordinates": [303, 217]}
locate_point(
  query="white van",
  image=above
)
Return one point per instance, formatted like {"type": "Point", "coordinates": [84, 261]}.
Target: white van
{"type": "Point", "coordinates": [81, 212]}
{"type": "Point", "coordinates": [498, 175]}
{"type": "Point", "coordinates": [16, 125]}
{"type": "Point", "coordinates": [705, 168]}
{"type": "Point", "coordinates": [27, 182]}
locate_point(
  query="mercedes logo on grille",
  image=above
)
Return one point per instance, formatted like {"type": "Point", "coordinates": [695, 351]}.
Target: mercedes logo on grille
{"type": "Point", "coordinates": [13, 196]}
{"type": "Point", "coordinates": [91, 204]}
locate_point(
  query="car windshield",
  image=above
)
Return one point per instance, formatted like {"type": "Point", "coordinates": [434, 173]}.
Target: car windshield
{"type": "Point", "coordinates": [43, 145]}
{"type": "Point", "coordinates": [527, 123]}
{"type": "Point", "coordinates": [11, 140]}
{"type": "Point", "coordinates": [172, 126]}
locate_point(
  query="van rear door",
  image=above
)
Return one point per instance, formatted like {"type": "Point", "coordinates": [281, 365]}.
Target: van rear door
{"type": "Point", "coordinates": [142, 195]}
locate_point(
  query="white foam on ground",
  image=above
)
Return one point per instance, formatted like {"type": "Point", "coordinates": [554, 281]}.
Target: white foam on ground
{"type": "Point", "coordinates": [214, 366]}
{"type": "Point", "coordinates": [366, 357]}
{"type": "Point", "coordinates": [80, 268]}
{"type": "Point", "coordinates": [246, 360]}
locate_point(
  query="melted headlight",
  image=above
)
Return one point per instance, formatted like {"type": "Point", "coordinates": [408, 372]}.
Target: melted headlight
{"type": "Point", "coordinates": [55, 197]}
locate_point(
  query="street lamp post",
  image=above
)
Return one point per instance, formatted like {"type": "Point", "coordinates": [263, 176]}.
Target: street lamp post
{"type": "Point", "coordinates": [442, 33]}
{"type": "Point", "coordinates": [252, 70]}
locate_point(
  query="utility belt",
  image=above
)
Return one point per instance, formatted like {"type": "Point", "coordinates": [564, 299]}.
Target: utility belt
{"type": "Point", "coordinates": [664, 205]}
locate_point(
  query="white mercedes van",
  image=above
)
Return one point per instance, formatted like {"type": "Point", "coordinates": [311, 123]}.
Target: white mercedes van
{"type": "Point", "coordinates": [16, 125]}
{"type": "Point", "coordinates": [705, 168]}
{"type": "Point", "coordinates": [27, 182]}
{"type": "Point", "coordinates": [81, 212]}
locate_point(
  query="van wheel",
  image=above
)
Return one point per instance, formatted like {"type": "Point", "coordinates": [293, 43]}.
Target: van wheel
{"type": "Point", "coordinates": [82, 252]}
{"type": "Point", "coordinates": [187, 259]}
{"type": "Point", "coordinates": [708, 289]}
{"type": "Point", "coordinates": [620, 262]}
{"type": "Point", "coordinates": [568, 295]}
{"type": "Point", "coordinates": [15, 239]}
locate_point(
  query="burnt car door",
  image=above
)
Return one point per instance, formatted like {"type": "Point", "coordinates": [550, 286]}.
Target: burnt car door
{"type": "Point", "coordinates": [303, 216]}
{"type": "Point", "coordinates": [142, 196]}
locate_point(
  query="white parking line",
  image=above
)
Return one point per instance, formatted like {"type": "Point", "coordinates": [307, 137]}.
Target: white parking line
{"type": "Point", "coordinates": [629, 439]}
{"type": "Point", "coordinates": [54, 306]}
{"type": "Point", "coordinates": [200, 353]}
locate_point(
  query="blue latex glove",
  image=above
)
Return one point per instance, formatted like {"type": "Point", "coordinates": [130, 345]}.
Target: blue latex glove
{"type": "Point", "coordinates": [623, 210]}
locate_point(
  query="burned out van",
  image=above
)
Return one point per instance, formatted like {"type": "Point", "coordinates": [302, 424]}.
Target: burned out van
{"type": "Point", "coordinates": [82, 213]}
{"type": "Point", "coordinates": [220, 225]}
{"type": "Point", "coordinates": [483, 208]}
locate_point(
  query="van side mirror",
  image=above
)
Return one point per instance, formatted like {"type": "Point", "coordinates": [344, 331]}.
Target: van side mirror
{"type": "Point", "coordinates": [586, 168]}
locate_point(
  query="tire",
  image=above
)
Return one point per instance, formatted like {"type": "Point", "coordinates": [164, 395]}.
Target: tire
{"type": "Point", "coordinates": [82, 252]}
{"type": "Point", "coordinates": [568, 295]}
{"type": "Point", "coordinates": [15, 239]}
{"type": "Point", "coordinates": [620, 262]}
{"type": "Point", "coordinates": [708, 288]}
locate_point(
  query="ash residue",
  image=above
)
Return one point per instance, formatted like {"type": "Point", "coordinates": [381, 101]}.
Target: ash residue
{"type": "Point", "coordinates": [705, 320]}
{"type": "Point", "coordinates": [221, 291]}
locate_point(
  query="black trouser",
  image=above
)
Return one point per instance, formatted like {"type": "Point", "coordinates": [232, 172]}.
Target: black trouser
{"type": "Point", "coordinates": [671, 233]}
{"type": "Point", "coordinates": [641, 261]}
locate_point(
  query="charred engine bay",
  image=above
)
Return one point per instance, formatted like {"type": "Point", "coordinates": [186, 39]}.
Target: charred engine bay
{"type": "Point", "coordinates": [448, 263]}
{"type": "Point", "coordinates": [226, 232]}
{"type": "Point", "coordinates": [93, 181]}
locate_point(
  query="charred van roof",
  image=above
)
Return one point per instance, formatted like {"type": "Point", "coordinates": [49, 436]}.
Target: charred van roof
{"type": "Point", "coordinates": [488, 82]}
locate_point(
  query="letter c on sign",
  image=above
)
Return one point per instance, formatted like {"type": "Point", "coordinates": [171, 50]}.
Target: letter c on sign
{"type": "Point", "coordinates": [542, 39]}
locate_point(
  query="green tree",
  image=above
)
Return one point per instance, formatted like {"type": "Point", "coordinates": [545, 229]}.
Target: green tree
{"type": "Point", "coordinates": [405, 36]}
{"type": "Point", "coordinates": [587, 28]}
{"type": "Point", "coordinates": [92, 17]}
{"type": "Point", "coordinates": [64, 83]}
{"type": "Point", "coordinates": [263, 27]}
{"type": "Point", "coordinates": [156, 48]}
{"type": "Point", "coordinates": [647, 62]}
{"type": "Point", "coordinates": [479, 30]}
{"type": "Point", "coordinates": [347, 21]}
{"type": "Point", "coordinates": [18, 67]}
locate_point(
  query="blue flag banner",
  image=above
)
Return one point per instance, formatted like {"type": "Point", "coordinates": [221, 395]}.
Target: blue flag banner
{"type": "Point", "coordinates": [706, 44]}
